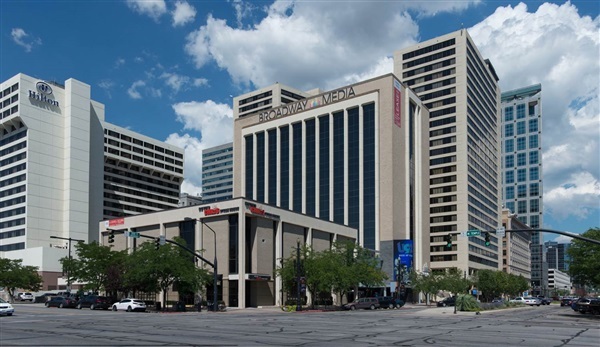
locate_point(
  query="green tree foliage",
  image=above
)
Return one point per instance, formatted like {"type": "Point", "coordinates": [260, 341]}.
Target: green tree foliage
{"type": "Point", "coordinates": [97, 266]}
{"type": "Point", "coordinates": [154, 270]}
{"type": "Point", "coordinates": [466, 302]}
{"type": "Point", "coordinates": [493, 284]}
{"type": "Point", "coordinates": [427, 283]}
{"type": "Point", "coordinates": [584, 266]}
{"type": "Point", "coordinates": [14, 275]}
{"type": "Point", "coordinates": [339, 269]}
{"type": "Point", "coordinates": [454, 281]}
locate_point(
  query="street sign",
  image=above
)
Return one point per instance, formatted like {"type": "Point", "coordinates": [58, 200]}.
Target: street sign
{"type": "Point", "coordinates": [473, 233]}
{"type": "Point", "coordinates": [133, 234]}
{"type": "Point", "coordinates": [500, 232]}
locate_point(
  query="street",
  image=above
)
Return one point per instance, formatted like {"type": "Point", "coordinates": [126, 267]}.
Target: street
{"type": "Point", "coordinates": [35, 325]}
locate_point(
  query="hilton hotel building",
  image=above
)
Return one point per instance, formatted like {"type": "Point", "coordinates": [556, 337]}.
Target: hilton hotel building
{"type": "Point", "coordinates": [356, 156]}
{"type": "Point", "coordinates": [460, 89]}
{"type": "Point", "coordinates": [63, 169]}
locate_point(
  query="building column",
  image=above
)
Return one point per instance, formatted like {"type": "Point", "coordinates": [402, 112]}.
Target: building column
{"type": "Point", "coordinates": [278, 260]}
{"type": "Point", "coordinates": [242, 255]}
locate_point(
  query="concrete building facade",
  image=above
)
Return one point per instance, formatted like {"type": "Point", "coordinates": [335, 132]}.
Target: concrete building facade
{"type": "Point", "coordinates": [63, 169]}
{"type": "Point", "coordinates": [460, 89]}
{"type": "Point", "coordinates": [516, 254]}
{"type": "Point", "coordinates": [356, 156]}
{"type": "Point", "coordinates": [217, 173]}
{"type": "Point", "coordinates": [250, 240]}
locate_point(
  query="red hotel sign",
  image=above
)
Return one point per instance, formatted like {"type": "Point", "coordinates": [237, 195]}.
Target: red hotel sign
{"type": "Point", "coordinates": [257, 210]}
{"type": "Point", "coordinates": [212, 211]}
{"type": "Point", "coordinates": [116, 221]}
{"type": "Point", "coordinates": [397, 104]}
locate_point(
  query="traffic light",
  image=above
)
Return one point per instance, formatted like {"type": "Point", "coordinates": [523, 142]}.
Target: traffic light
{"type": "Point", "coordinates": [487, 239]}
{"type": "Point", "coordinates": [157, 243]}
{"type": "Point", "coordinates": [111, 236]}
{"type": "Point", "coordinates": [448, 240]}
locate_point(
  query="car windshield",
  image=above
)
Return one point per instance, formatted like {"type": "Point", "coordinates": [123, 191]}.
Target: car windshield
{"type": "Point", "coordinates": [2, 301]}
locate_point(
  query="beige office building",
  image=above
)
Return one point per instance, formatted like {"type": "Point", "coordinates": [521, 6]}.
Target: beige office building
{"type": "Point", "coordinates": [516, 254]}
{"type": "Point", "coordinates": [460, 89]}
{"type": "Point", "coordinates": [251, 239]}
{"type": "Point", "coordinates": [355, 156]}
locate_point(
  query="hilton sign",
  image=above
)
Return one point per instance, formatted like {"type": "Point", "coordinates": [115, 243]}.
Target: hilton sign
{"type": "Point", "coordinates": [43, 92]}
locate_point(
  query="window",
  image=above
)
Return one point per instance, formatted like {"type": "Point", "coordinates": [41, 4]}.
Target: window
{"type": "Point", "coordinates": [521, 191]}
{"type": "Point", "coordinates": [521, 111]}
{"type": "Point", "coordinates": [521, 128]}
{"type": "Point", "coordinates": [533, 157]}
{"type": "Point", "coordinates": [534, 205]}
{"type": "Point", "coordinates": [532, 109]}
{"type": "Point", "coordinates": [533, 141]}
{"type": "Point", "coordinates": [534, 174]}
{"type": "Point", "coordinates": [533, 125]}
{"type": "Point", "coordinates": [521, 159]}
{"type": "Point", "coordinates": [511, 206]}
{"type": "Point", "coordinates": [521, 175]}
{"type": "Point", "coordinates": [509, 145]}
{"type": "Point", "coordinates": [534, 189]}
{"type": "Point", "coordinates": [521, 144]}
{"type": "Point", "coordinates": [535, 222]}
{"type": "Point", "coordinates": [510, 176]}
{"type": "Point", "coordinates": [510, 192]}
{"type": "Point", "coordinates": [508, 113]}
{"type": "Point", "coordinates": [522, 206]}
{"type": "Point", "coordinates": [509, 161]}
{"type": "Point", "coordinates": [509, 130]}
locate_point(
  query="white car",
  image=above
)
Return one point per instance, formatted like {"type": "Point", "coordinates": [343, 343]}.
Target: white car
{"type": "Point", "coordinates": [527, 301]}
{"type": "Point", "coordinates": [25, 296]}
{"type": "Point", "coordinates": [6, 308]}
{"type": "Point", "coordinates": [129, 305]}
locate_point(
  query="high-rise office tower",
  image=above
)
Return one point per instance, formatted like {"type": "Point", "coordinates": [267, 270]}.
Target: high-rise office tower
{"type": "Point", "coordinates": [356, 155]}
{"type": "Point", "coordinates": [217, 173]}
{"type": "Point", "coordinates": [63, 169]}
{"type": "Point", "coordinates": [522, 182]}
{"type": "Point", "coordinates": [460, 88]}
{"type": "Point", "coordinates": [557, 255]}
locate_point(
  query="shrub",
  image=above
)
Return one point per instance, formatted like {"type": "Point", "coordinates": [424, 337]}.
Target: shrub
{"type": "Point", "coordinates": [466, 302]}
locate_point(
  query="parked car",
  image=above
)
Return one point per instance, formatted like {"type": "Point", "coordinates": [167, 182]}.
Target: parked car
{"type": "Point", "coordinates": [498, 301]}
{"type": "Point", "coordinates": [61, 302]}
{"type": "Point", "coordinates": [44, 297]}
{"type": "Point", "coordinates": [6, 308]}
{"type": "Point", "coordinates": [527, 301]}
{"type": "Point", "coordinates": [25, 296]}
{"type": "Point", "coordinates": [544, 300]}
{"type": "Point", "coordinates": [451, 301]}
{"type": "Point", "coordinates": [389, 302]}
{"type": "Point", "coordinates": [129, 305]}
{"type": "Point", "coordinates": [362, 303]}
{"type": "Point", "coordinates": [94, 302]}
{"type": "Point", "coordinates": [567, 301]}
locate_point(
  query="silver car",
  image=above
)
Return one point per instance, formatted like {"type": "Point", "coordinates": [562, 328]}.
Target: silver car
{"type": "Point", "coordinates": [129, 305]}
{"type": "Point", "coordinates": [25, 296]}
{"type": "Point", "coordinates": [6, 308]}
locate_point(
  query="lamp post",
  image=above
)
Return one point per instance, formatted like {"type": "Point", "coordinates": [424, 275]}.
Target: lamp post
{"type": "Point", "coordinates": [215, 280]}
{"type": "Point", "coordinates": [298, 306]}
{"type": "Point", "coordinates": [68, 239]}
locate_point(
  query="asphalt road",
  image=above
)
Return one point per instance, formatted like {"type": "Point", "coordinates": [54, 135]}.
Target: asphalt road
{"type": "Point", "coordinates": [35, 325]}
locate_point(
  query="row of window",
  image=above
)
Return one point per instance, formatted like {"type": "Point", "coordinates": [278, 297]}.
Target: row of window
{"type": "Point", "coordinates": [509, 160]}
{"type": "Point", "coordinates": [143, 193]}
{"type": "Point", "coordinates": [13, 201]}
{"type": "Point", "coordinates": [127, 155]}
{"type": "Point", "coordinates": [10, 111]}
{"type": "Point", "coordinates": [12, 247]}
{"type": "Point", "coordinates": [534, 190]}
{"type": "Point", "coordinates": [509, 144]}
{"type": "Point", "coordinates": [12, 233]}
{"type": "Point", "coordinates": [141, 143]}
{"type": "Point", "coordinates": [4, 103]}
{"type": "Point", "coordinates": [10, 89]}
{"type": "Point", "coordinates": [121, 198]}
{"type": "Point", "coordinates": [4, 139]}
{"type": "Point", "coordinates": [523, 207]}
{"type": "Point", "coordinates": [534, 175]}
{"type": "Point", "coordinates": [509, 128]}
{"type": "Point", "coordinates": [509, 115]}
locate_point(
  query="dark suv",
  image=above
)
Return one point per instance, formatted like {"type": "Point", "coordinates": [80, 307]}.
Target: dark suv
{"type": "Point", "coordinates": [94, 302]}
{"type": "Point", "coordinates": [447, 302]}
{"type": "Point", "coordinates": [389, 302]}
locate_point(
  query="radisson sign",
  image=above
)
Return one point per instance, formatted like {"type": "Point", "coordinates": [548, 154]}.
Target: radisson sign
{"type": "Point", "coordinates": [306, 104]}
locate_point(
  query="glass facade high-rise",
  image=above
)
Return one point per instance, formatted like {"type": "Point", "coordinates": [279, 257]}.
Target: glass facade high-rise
{"type": "Point", "coordinates": [522, 180]}
{"type": "Point", "coordinates": [217, 173]}
{"type": "Point", "coordinates": [460, 89]}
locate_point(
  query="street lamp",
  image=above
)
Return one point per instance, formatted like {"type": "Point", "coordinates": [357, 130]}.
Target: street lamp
{"type": "Point", "coordinates": [215, 269]}
{"type": "Point", "coordinates": [68, 239]}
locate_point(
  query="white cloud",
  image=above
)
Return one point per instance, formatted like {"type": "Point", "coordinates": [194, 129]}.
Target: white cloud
{"type": "Point", "coordinates": [302, 44]}
{"type": "Point", "coordinates": [242, 9]}
{"type": "Point", "coordinates": [199, 82]}
{"type": "Point", "coordinates": [151, 8]}
{"type": "Point", "coordinates": [178, 82]}
{"type": "Point", "coordinates": [563, 239]}
{"type": "Point", "coordinates": [133, 90]}
{"type": "Point", "coordinates": [555, 46]}
{"type": "Point", "coordinates": [21, 38]}
{"type": "Point", "coordinates": [215, 124]}
{"type": "Point", "coordinates": [107, 86]}
{"type": "Point", "coordinates": [576, 196]}
{"type": "Point", "coordinates": [183, 13]}
{"type": "Point", "coordinates": [119, 62]}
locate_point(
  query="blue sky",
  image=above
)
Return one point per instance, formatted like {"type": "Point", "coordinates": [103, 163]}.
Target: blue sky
{"type": "Point", "coordinates": [169, 69]}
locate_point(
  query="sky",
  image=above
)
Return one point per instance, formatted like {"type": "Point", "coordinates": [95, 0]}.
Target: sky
{"type": "Point", "coordinates": [170, 69]}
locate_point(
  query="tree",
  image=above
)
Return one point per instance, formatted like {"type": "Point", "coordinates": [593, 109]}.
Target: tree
{"type": "Point", "coordinates": [154, 270]}
{"type": "Point", "coordinates": [490, 283]}
{"type": "Point", "coordinates": [427, 283]}
{"type": "Point", "coordinates": [97, 266]}
{"type": "Point", "coordinates": [585, 259]}
{"type": "Point", "coordinates": [14, 275]}
{"type": "Point", "coordinates": [454, 281]}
